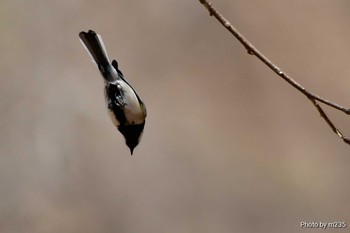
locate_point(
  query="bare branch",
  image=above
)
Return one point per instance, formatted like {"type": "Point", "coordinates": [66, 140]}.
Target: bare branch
{"type": "Point", "coordinates": [329, 122]}
{"type": "Point", "coordinates": [254, 51]}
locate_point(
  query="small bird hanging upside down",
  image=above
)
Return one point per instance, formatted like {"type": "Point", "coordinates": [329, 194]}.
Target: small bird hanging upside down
{"type": "Point", "coordinates": [126, 109]}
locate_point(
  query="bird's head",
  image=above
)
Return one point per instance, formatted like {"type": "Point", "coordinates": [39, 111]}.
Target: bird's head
{"type": "Point", "coordinates": [132, 135]}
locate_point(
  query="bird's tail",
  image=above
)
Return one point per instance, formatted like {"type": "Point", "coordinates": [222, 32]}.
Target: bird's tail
{"type": "Point", "coordinates": [93, 43]}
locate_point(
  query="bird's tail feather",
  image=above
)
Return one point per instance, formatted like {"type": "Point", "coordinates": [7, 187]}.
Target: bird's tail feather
{"type": "Point", "coordinates": [93, 43]}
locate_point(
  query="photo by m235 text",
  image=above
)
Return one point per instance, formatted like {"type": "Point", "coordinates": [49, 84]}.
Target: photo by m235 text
{"type": "Point", "coordinates": [324, 225]}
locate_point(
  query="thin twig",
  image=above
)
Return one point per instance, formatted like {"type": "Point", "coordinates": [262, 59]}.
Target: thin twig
{"type": "Point", "coordinates": [254, 51]}
{"type": "Point", "coordinates": [329, 122]}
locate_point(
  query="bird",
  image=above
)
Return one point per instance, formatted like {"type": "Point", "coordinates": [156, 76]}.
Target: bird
{"type": "Point", "coordinates": [125, 107]}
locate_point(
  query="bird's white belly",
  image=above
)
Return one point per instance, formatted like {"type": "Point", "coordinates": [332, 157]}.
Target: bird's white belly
{"type": "Point", "coordinates": [132, 109]}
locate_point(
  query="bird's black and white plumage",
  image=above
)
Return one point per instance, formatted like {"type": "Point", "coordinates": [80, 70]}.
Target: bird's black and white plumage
{"type": "Point", "coordinates": [126, 109]}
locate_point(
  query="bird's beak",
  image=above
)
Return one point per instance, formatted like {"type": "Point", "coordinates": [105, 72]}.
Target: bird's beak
{"type": "Point", "coordinates": [131, 150]}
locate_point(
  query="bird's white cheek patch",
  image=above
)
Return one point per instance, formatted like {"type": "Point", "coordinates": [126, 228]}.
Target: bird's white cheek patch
{"type": "Point", "coordinates": [113, 118]}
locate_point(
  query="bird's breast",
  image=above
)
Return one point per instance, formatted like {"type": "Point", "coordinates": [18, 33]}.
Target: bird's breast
{"type": "Point", "coordinates": [134, 114]}
{"type": "Point", "coordinates": [127, 107]}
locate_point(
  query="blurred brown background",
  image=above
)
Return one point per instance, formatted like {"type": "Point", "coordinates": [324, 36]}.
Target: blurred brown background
{"type": "Point", "coordinates": [228, 146]}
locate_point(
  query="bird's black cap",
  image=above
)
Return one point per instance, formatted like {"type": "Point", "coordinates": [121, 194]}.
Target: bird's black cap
{"type": "Point", "coordinates": [132, 135]}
